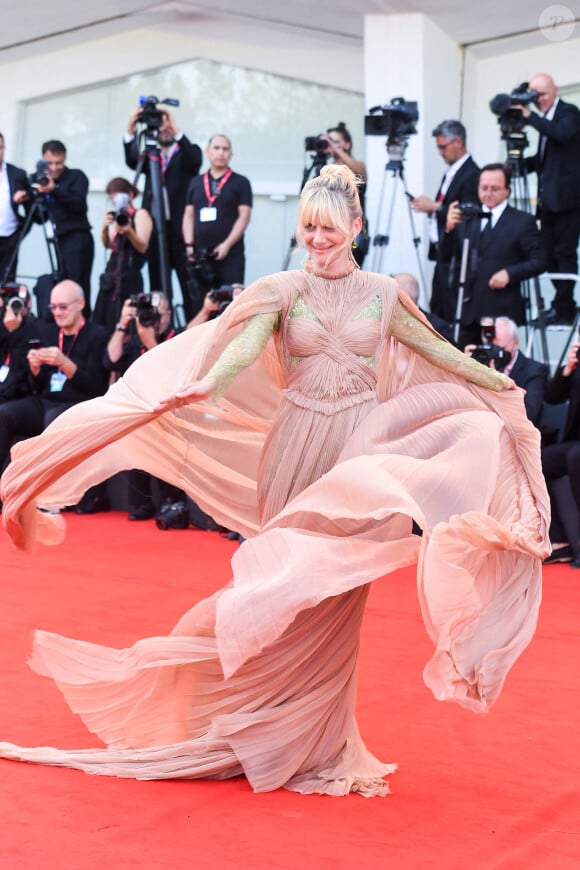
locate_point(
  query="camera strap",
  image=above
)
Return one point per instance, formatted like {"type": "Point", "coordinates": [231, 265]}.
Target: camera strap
{"type": "Point", "coordinates": [211, 197]}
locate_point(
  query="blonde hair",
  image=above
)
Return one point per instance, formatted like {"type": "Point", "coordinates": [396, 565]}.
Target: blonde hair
{"type": "Point", "coordinates": [331, 198]}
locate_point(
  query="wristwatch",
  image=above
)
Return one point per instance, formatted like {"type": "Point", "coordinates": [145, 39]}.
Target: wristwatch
{"type": "Point", "coordinates": [119, 328]}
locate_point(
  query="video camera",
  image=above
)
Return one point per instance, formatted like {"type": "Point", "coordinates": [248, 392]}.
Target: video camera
{"type": "Point", "coordinates": [40, 176]}
{"type": "Point", "coordinates": [121, 202]}
{"type": "Point", "coordinates": [396, 120]}
{"type": "Point", "coordinates": [487, 351]}
{"type": "Point", "coordinates": [319, 144]}
{"type": "Point", "coordinates": [150, 114]}
{"type": "Point", "coordinates": [203, 269]}
{"type": "Point", "coordinates": [14, 296]}
{"type": "Point", "coordinates": [147, 305]}
{"type": "Point", "coordinates": [509, 119]}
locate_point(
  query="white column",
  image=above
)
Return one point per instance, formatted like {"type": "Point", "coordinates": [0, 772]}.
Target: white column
{"type": "Point", "coordinates": [407, 56]}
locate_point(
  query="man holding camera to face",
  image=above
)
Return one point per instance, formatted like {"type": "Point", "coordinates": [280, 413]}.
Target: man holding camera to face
{"type": "Point", "coordinates": [505, 249]}
{"type": "Point", "coordinates": [145, 321]}
{"type": "Point", "coordinates": [557, 164]}
{"type": "Point", "coordinates": [19, 331]}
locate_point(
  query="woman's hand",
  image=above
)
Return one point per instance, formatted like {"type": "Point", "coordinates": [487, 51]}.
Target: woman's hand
{"type": "Point", "coordinates": [196, 392]}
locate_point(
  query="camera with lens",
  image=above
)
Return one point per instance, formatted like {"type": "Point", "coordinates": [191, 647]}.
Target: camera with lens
{"type": "Point", "coordinates": [120, 211]}
{"type": "Point", "coordinates": [150, 114]}
{"type": "Point", "coordinates": [224, 295]}
{"type": "Point", "coordinates": [396, 120]}
{"type": "Point", "coordinates": [147, 305]}
{"type": "Point", "coordinates": [204, 270]}
{"type": "Point", "coordinates": [487, 351]}
{"type": "Point", "coordinates": [509, 119]}
{"type": "Point", "coordinates": [13, 296]}
{"type": "Point", "coordinates": [319, 144]}
{"type": "Point", "coordinates": [40, 176]}
{"type": "Point", "coordinates": [471, 210]}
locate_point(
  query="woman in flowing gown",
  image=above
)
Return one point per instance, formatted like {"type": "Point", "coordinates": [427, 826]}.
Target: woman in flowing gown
{"type": "Point", "coordinates": [319, 416]}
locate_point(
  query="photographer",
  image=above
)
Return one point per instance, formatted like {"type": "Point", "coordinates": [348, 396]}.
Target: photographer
{"type": "Point", "coordinates": [217, 212]}
{"type": "Point", "coordinates": [12, 180]}
{"type": "Point", "coordinates": [528, 374]}
{"type": "Point", "coordinates": [145, 322]}
{"type": "Point", "coordinates": [506, 249]}
{"type": "Point", "coordinates": [19, 329]}
{"type": "Point", "coordinates": [563, 458]}
{"type": "Point", "coordinates": [458, 184]}
{"type": "Point", "coordinates": [64, 193]}
{"type": "Point", "coordinates": [67, 369]}
{"type": "Point", "coordinates": [181, 161]}
{"type": "Point", "coordinates": [340, 149]}
{"type": "Point", "coordinates": [126, 232]}
{"type": "Point", "coordinates": [215, 302]}
{"type": "Point", "coordinates": [557, 164]}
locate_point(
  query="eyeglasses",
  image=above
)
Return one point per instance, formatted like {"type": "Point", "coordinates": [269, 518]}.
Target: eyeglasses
{"type": "Point", "coordinates": [61, 306]}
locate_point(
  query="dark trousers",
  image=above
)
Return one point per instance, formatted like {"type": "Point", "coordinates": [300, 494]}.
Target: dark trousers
{"type": "Point", "coordinates": [561, 459]}
{"type": "Point", "coordinates": [25, 418]}
{"type": "Point", "coordinates": [8, 245]}
{"type": "Point", "coordinates": [177, 262]}
{"type": "Point", "coordinates": [560, 232]}
{"type": "Point", "coordinates": [77, 250]}
{"type": "Point", "coordinates": [141, 491]}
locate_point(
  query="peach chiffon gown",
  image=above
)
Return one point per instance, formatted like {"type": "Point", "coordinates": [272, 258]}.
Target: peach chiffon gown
{"type": "Point", "coordinates": [320, 452]}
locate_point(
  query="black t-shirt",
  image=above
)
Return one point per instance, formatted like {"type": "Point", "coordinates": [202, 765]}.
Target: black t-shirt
{"type": "Point", "coordinates": [235, 192]}
{"type": "Point", "coordinates": [86, 349]}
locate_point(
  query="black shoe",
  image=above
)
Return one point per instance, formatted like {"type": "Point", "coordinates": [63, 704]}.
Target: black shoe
{"type": "Point", "coordinates": [561, 554]}
{"type": "Point", "coordinates": [575, 563]}
{"type": "Point", "coordinates": [93, 505]}
{"type": "Point", "coordinates": [142, 512]}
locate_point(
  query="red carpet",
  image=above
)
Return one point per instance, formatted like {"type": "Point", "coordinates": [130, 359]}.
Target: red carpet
{"type": "Point", "coordinates": [494, 791]}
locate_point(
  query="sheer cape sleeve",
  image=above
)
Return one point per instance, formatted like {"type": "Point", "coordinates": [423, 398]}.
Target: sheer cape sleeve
{"type": "Point", "coordinates": [191, 447]}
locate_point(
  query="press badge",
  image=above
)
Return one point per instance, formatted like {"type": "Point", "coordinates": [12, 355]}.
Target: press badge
{"type": "Point", "coordinates": [57, 382]}
{"type": "Point", "coordinates": [4, 373]}
{"type": "Point", "coordinates": [208, 213]}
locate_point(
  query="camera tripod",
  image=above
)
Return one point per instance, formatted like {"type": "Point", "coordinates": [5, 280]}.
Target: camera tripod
{"type": "Point", "coordinates": [516, 143]}
{"type": "Point", "coordinates": [38, 210]}
{"type": "Point", "coordinates": [471, 235]}
{"type": "Point", "coordinates": [319, 160]}
{"type": "Point", "coordinates": [151, 156]}
{"type": "Point", "coordinates": [396, 148]}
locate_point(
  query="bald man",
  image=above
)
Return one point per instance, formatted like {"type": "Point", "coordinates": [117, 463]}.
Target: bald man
{"type": "Point", "coordinates": [557, 164]}
{"type": "Point", "coordinates": [67, 368]}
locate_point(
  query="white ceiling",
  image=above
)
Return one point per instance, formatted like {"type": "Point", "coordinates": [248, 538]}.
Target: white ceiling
{"type": "Point", "coordinates": [34, 26]}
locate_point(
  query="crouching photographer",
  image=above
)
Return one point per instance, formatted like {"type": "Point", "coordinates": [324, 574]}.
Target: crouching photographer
{"type": "Point", "coordinates": [500, 349]}
{"type": "Point", "coordinates": [215, 303]}
{"type": "Point", "coordinates": [19, 332]}
{"type": "Point", "coordinates": [145, 322]}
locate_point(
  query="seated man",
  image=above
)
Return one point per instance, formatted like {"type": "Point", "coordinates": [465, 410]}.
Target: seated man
{"type": "Point", "coordinates": [20, 330]}
{"type": "Point", "coordinates": [67, 368]}
{"type": "Point", "coordinates": [530, 375]}
{"type": "Point", "coordinates": [563, 458]}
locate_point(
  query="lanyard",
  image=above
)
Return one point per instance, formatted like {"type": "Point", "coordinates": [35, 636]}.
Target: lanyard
{"type": "Point", "coordinates": [61, 339]}
{"type": "Point", "coordinates": [211, 198]}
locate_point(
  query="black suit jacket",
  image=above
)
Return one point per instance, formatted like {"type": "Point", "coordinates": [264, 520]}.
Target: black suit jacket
{"type": "Point", "coordinates": [182, 167]}
{"type": "Point", "coordinates": [531, 376]}
{"type": "Point", "coordinates": [559, 168]}
{"type": "Point", "coordinates": [67, 204]}
{"type": "Point", "coordinates": [463, 188]}
{"type": "Point", "coordinates": [514, 244]}
{"type": "Point", "coordinates": [17, 180]}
